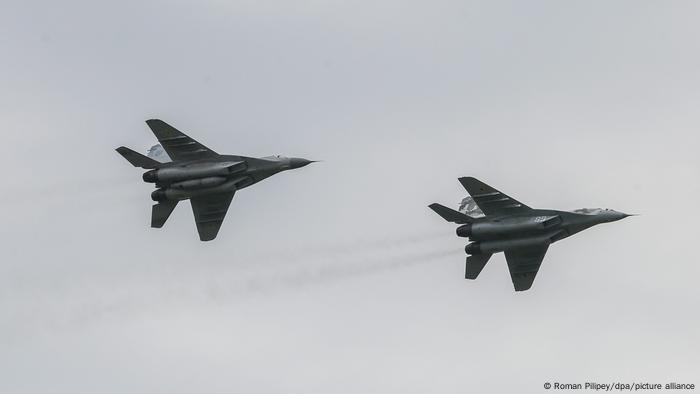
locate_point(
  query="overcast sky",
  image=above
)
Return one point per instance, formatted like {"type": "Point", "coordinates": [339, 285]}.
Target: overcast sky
{"type": "Point", "coordinates": [336, 278]}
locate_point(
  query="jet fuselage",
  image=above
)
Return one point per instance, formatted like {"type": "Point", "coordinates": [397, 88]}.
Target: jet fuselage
{"type": "Point", "coordinates": [226, 173]}
{"type": "Point", "coordinates": [493, 234]}
{"type": "Point", "coordinates": [522, 233]}
{"type": "Point", "coordinates": [196, 173]}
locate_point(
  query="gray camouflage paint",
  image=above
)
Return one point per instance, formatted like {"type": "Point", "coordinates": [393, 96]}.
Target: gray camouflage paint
{"type": "Point", "coordinates": [209, 180]}
{"type": "Point", "coordinates": [523, 233]}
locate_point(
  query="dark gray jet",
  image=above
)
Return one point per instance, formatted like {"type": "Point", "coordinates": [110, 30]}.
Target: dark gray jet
{"type": "Point", "coordinates": [521, 232]}
{"type": "Point", "coordinates": [209, 180]}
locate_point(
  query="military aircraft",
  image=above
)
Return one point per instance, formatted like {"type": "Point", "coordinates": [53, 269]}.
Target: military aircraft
{"type": "Point", "coordinates": [209, 180]}
{"type": "Point", "coordinates": [521, 232]}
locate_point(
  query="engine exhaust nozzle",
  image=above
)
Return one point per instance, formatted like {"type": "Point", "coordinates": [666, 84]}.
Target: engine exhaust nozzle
{"type": "Point", "coordinates": [473, 248]}
{"type": "Point", "coordinates": [464, 230]}
{"type": "Point", "coordinates": [158, 195]}
{"type": "Point", "coordinates": [150, 176]}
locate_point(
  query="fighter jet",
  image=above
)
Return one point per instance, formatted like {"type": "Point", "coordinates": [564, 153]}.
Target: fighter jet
{"type": "Point", "coordinates": [521, 232]}
{"type": "Point", "coordinates": [196, 173]}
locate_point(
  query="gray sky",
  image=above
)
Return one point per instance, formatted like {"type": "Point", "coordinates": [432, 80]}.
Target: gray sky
{"type": "Point", "coordinates": [336, 277]}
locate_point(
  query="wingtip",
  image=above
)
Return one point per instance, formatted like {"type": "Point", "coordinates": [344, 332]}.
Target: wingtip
{"type": "Point", "coordinates": [519, 289]}
{"type": "Point", "coordinates": [434, 206]}
{"type": "Point", "coordinates": [124, 151]}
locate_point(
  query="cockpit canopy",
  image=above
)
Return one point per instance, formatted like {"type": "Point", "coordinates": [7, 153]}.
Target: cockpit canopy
{"type": "Point", "coordinates": [592, 211]}
{"type": "Point", "coordinates": [274, 157]}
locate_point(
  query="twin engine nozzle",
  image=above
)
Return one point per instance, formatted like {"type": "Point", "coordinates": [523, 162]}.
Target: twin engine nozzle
{"type": "Point", "coordinates": [473, 248]}
{"type": "Point", "coordinates": [159, 195]}
{"type": "Point", "coordinates": [150, 176]}
{"type": "Point", "coordinates": [464, 230]}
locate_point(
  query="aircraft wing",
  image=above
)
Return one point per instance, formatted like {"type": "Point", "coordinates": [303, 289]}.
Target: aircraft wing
{"type": "Point", "coordinates": [177, 144]}
{"type": "Point", "coordinates": [523, 264]}
{"type": "Point", "coordinates": [209, 212]}
{"type": "Point", "coordinates": [490, 200]}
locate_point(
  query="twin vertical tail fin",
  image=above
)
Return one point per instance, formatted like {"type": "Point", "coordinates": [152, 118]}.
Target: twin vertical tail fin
{"type": "Point", "coordinates": [475, 264]}
{"type": "Point", "coordinates": [450, 214]}
{"type": "Point", "coordinates": [161, 212]}
{"type": "Point", "coordinates": [138, 160]}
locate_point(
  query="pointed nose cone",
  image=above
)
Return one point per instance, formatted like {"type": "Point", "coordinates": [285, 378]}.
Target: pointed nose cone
{"type": "Point", "coordinates": [296, 162]}
{"type": "Point", "coordinates": [620, 215]}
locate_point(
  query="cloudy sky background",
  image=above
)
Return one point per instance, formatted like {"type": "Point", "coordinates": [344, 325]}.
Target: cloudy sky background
{"type": "Point", "coordinates": [336, 277]}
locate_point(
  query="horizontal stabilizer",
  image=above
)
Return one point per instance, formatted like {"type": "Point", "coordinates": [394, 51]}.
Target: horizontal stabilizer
{"type": "Point", "coordinates": [161, 212]}
{"type": "Point", "coordinates": [475, 264]}
{"type": "Point", "coordinates": [450, 214]}
{"type": "Point", "coordinates": [137, 159]}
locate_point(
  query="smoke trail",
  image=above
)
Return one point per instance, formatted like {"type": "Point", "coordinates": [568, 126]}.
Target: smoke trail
{"type": "Point", "coordinates": [348, 249]}
{"type": "Point", "coordinates": [97, 300]}
{"type": "Point", "coordinates": [318, 274]}
{"type": "Point", "coordinates": [73, 188]}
